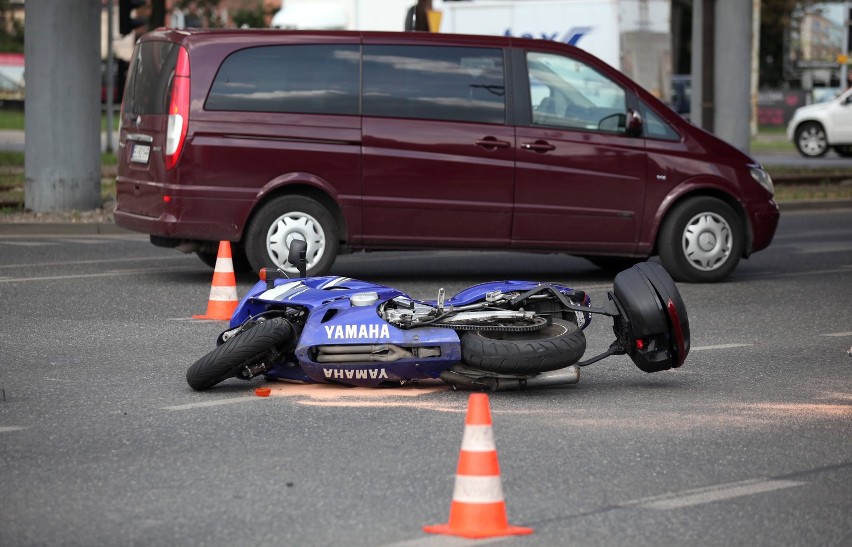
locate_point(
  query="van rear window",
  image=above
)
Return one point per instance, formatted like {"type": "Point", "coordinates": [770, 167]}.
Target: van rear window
{"type": "Point", "coordinates": [149, 78]}
{"type": "Point", "coordinates": [306, 79]}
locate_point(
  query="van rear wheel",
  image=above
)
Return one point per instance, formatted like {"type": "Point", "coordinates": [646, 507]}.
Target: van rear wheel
{"type": "Point", "coordinates": [285, 218]}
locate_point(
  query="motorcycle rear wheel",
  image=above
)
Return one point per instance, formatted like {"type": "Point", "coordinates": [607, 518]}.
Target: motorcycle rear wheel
{"type": "Point", "coordinates": [556, 346]}
{"type": "Point", "coordinates": [252, 346]}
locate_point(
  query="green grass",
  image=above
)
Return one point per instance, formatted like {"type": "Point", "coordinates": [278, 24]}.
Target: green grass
{"type": "Point", "coordinates": [809, 192]}
{"type": "Point", "coordinates": [14, 119]}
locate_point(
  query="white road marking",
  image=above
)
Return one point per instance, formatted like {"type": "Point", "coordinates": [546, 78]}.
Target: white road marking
{"type": "Point", "coordinates": [709, 494]}
{"type": "Point", "coordinates": [30, 243]}
{"type": "Point", "coordinates": [10, 428]}
{"type": "Point", "coordinates": [101, 274]}
{"type": "Point", "coordinates": [719, 346]}
{"type": "Point", "coordinates": [837, 334]}
{"type": "Point", "coordinates": [217, 402]}
{"type": "Point", "coordinates": [99, 261]}
{"type": "Point", "coordinates": [825, 247]}
{"type": "Point", "coordinates": [432, 540]}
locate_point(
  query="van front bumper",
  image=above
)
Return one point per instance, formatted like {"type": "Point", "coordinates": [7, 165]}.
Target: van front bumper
{"type": "Point", "coordinates": [764, 216]}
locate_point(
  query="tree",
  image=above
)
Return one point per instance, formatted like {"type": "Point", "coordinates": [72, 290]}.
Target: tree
{"type": "Point", "coordinates": [11, 30]}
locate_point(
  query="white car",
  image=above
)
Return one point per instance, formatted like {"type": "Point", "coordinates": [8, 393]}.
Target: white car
{"type": "Point", "coordinates": [817, 127]}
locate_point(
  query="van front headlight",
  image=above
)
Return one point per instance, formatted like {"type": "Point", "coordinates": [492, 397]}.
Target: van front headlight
{"type": "Point", "coordinates": [763, 178]}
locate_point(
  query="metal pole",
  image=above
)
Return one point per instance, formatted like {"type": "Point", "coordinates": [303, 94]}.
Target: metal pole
{"type": "Point", "coordinates": [844, 68]}
{"type": "Point", "coordinates": [110, 81]}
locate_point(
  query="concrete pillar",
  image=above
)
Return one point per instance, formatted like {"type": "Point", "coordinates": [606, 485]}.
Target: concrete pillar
{"type": "Point", "coordinates": [702, 56]}
{"type": "Point", "coordinates": [63, 116]}
{"type": "Point", "coordinates": [732, 72]}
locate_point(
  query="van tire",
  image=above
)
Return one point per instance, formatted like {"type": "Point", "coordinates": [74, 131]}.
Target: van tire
{"type": "Point", "coordinates": [286, 217]}
{"type": "Point", "coordinates": [701, 240]}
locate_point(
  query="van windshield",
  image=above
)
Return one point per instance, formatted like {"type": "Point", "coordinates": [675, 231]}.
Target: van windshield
{"type": "Point", "coordinates": [149, 78]}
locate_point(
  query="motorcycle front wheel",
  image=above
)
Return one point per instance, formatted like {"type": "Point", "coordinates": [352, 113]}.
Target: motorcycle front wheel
{"type": "Point", "coordinates": [263, 341]}
{"type": "Point", "coordinates": [556, 346]}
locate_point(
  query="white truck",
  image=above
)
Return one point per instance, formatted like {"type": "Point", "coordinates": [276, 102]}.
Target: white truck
{"type": "Point", "coordinates": [633, 36]}
{"type": "Point", "coordinates": [386, 15]}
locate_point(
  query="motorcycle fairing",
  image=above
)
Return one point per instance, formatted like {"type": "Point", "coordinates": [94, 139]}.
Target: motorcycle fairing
{"type": "Point", "coordinates": [344, 339]}
{"type": "Point", "coordinates": [306, 293]}
{"type": "Point", "coordinates": [347, 343]}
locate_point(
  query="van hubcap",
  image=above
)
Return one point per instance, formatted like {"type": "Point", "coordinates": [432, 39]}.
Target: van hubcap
{"type": "Point", "coordinates": [290, 226]}
{"type": "Point", "coordinates": [707, 241]}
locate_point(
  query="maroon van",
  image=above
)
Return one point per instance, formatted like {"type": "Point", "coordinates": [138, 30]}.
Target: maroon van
{"type": "Point", "coordinates": [373, 141]}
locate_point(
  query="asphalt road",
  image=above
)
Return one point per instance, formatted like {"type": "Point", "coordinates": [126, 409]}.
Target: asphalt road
{"type": "Point", "coordinates": [103, 443]}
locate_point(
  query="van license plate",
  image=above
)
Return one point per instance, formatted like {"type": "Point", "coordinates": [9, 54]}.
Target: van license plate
{"type": "Point", "coordinates": [139, 153]}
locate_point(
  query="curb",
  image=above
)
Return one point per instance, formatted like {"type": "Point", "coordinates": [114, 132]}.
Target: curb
{"type": "Point", "coordinates": [62, 228]}
{"type": "Point", "coordinates": [815, 205]}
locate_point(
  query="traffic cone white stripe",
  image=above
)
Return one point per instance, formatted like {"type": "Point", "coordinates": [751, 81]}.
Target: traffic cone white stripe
{"type": "Point", "coordinates": [224, 265]}
{"type": "Point", "coordinates": [478, 438]}
{"type": "Point", "coordinates": [472, 489]}
{"type": "Point", "coordinates": [223, 293]}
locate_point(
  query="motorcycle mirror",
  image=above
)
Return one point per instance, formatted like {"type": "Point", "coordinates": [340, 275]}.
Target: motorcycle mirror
{"type": "Point", "coordinates": [297, 256]}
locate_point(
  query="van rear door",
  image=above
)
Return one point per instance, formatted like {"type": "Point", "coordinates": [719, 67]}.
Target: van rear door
{"type": "Point", "coordinates": [437, 150]}
{"type": "Point", "coordinates": [143, 126]}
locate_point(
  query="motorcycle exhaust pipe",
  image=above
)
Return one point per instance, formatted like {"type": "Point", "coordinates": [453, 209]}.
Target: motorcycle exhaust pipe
{"type": "Point", "coordinates": [553, 378]}
{"type": "Point", "coordinates": [559, 377]}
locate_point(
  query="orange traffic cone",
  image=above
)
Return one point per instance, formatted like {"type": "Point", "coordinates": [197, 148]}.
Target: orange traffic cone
{"type": "Point", "coordinates": [478, 509]}
{"type": "Point", "coordinates": [223, 291]}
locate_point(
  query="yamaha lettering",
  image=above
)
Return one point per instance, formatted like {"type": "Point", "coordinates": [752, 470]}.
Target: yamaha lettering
{"type": "Point", "coordinates": [349, 374]}
{"type": "Point", "coordinates": [356, 332]}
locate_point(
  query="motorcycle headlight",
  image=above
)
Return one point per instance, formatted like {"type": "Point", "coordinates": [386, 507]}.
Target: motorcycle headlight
{"type": "Point", "coordinates": [763, 178]}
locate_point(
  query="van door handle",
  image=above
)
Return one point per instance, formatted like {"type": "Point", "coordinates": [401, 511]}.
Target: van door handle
{"type": "Point", "coordinates": [492, 144]}
{"type": "Point", "coordinates": [538, 146]}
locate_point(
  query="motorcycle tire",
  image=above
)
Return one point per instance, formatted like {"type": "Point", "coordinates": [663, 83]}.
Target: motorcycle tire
{"type": "Point", "coordinates": [556, 346]}
{"type": "Point", "coordinates": [248, 348]}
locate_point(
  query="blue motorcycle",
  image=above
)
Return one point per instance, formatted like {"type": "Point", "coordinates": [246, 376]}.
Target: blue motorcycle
{"type": "Point", "coordinates": [490, 337]}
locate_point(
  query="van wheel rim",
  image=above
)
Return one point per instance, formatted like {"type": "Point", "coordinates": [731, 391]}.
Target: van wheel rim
{"type": "Point", "coordinates": [290, 226]}
{"type": "Point", "coordinates": [707, 241]}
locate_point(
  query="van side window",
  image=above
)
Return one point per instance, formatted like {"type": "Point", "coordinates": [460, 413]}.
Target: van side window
{"type": "Point", "coordinates": [567, 93]}
{"type": "Point", "coordinates": [435, 83]}
{"type": "Point", "coordinates": [306, 79]}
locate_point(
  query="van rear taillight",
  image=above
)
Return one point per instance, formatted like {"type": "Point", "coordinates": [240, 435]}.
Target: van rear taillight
{"type": "Point", "coordinates": [178, 110]}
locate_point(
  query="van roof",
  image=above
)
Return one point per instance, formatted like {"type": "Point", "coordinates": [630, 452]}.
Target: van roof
{"type": "Point", "coordinates": [194, 35]}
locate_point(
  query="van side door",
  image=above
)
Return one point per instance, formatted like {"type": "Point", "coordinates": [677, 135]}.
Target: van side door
{"type": "Point", "coordinates": [580, 174]}
{"type": "Point", "coordinates": [437, 148]}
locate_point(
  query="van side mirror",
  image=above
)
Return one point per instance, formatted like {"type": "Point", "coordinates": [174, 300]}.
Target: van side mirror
{"type": "Point", "coordinates": [634, 124]}
{"type": "Point", "coordinates": [297, 256]}
{"type": "Point", "coordinates": [616, 123]}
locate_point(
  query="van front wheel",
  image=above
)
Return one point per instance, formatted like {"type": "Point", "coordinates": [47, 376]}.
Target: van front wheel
{"type": "Point", "coordinates": [285, 218]}
{"type": "Point", "coordinates": [701, 240]}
